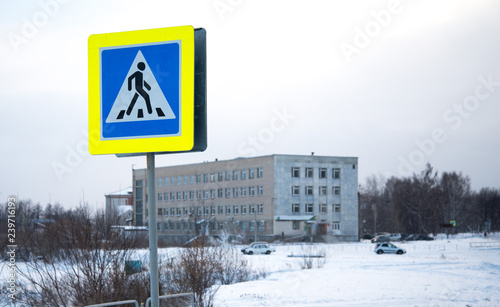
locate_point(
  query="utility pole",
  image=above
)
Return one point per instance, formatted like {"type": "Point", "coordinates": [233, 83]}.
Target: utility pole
{"type": "Point", "coordinates": [255, 225]}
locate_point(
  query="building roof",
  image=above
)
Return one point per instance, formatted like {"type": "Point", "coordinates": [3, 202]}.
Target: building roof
{"type": "Point", "coordinates": [123, 192]}
{"type": "Point", "coordinates": [251, 158]}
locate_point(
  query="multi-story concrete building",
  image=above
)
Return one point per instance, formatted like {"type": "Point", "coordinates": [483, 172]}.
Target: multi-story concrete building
{"type": "Point", "coordinates": [276, 196]}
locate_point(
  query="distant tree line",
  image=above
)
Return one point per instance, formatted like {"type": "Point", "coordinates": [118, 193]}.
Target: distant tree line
{"type": "Point", "coordinates": [425, 202]}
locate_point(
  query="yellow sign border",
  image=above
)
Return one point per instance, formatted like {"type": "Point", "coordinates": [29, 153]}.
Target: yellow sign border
{"type": "Point", "coordinates": [183, 142]}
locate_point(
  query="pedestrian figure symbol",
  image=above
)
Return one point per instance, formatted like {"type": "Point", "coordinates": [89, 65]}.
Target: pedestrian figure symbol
{"type": "Point", "coordinates": [140, 89]}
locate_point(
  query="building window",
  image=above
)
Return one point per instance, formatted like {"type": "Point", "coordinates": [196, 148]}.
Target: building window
{"type": "Point", "coordinates": [191, 179]}
{"type": "Point", "coordinates": [322, 190]}
{"type": "Point", "coordinates": [172, 180]}
{"type": "Point", "coordinates": [259, 172]}
{"type": "Point", "coordinates": [212, 194]}
{"type": "Point", "coordinates": [160, 180]}
{"type": "Point", "coordinates": [212, 210]}
{"type": "Point", "coordinates": [198, 194]}
{"type": "Point", "coordinates": [322, 172]}
{"type": "Point", "coordinates": [243, 209]}
{"type": "Point", "coordinates": [243, 226]}
{"type": "Point", "coordinates": [160, 211]}
{"type": "Point", "coordinates": [228, 192]}
{"type": "Point", "coordinates": [235, 192]}
{"type": "Point", "coordinates": [243, 191]}
{"type": "Point", "coordinates": [309, 208]}
{"type": "Point", "coordinates": [165, 196]}
{"type": "Point", "coordinates": [206, 210]}
{"type": "Point", "coordinates": [220, 209]}
{"type": "Point", "coordinates": [178, 180]}
{"type": "Point", "coordinates": [221, 225]}
{"type": "Point", "coordinates": [235, 175]}
{"type": "Point", "coordinates": [185, 180]}
{"type": "Point", "coordinates": [172, 211]}
{"type": "Point", "coordinates": [185, 195]}
{"type": "Point", "coordinates": [251, 173]}
{"type": "Point", "coordinates": [252, 226]}
{"type": "Point", "coordinates": [165, 212]}
{"type": "Point", "coordinates": [191, 195]}
{"type": "Point", "coordinates": [295, 208]}
{"type": "Point", "coordinates": [212, 177]}
{"type": "Point", "coordinates": [260, 209]}
{"type": "Point", "coordinates": [309, 172]}
{"type": "Point", "coordinates": [219, 192]}
{"type": "Point", "coordinates": [295, 172]}
{"type": "Point", "coordinates": [336, 225]}
{"type": "Point", "coordinates": [336, 208]}
{"type": "Point", "coordinates": [260, 190]}
{"type": "Point", "coordinates": [336, 173]}
{"type": "Point", "coordinates": [336, 190]}
{"type": "Point", "coordinates": [228, 175]}
{"type": "Point", "coordinates": [160, 197]}
{"type": "Point", "coordinates": [228, 209]}
{"type": "Point", "coordinates": [165, 226]}
{"type": "Point", "coordinates": [322, 208]}
{"type": "Point", "coordinates": [220, 176]}
{"type": "Point", "coordinates": [198, 178]}
{"type": "Point", "coordinates": [205, 178]}
{"type": "Point", "coordinates": [252, 209]}
{"type": "Point", "coordinates": [158, 226]}
{"type": "Point", "coordinates": [295, 190]}
{"type": "Point", "coordinates": [179, 211]}
{"type": "Point", "coordinates": [185, 211]}
{"type": "Point", "coordinates": [295, 225]}
{"type": "Point", "coordinates": [309, 190]}
{"type": "Point", "coordinates": [251, 191]}
{"type": "Point", "coordinates": [243, 174]}
{"type": "Point", "coordinates": [179, 195]}
{"type": "Point", "coordinates": [236, 210]}
{"type": "Point", "coordinates": [261, 225]}
{"type": "Point", "coordinates": [206, 194]}
{"type": "Point", "coordinates": [172, 196]}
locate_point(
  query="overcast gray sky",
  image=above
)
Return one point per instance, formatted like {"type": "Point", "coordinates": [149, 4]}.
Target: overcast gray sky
{"type": "Point", "coordinates": [395, 83]}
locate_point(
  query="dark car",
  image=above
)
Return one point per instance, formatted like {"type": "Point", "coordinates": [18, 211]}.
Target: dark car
{"type": "Point", "coordinates": [367, 237]}
{"type": "Point", "coordinates": [379, 239]}
{"type": "Point", "coordinates": [419, 237]}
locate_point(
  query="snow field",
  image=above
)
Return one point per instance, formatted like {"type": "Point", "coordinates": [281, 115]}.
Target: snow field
{"type": "Point", "coordinates": [434, 273]}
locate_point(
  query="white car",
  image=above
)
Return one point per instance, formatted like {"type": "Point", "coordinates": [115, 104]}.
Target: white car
{"type": "Point", "coordinates": [389, 248]}
{"type": "Point", "coordinates": [258, 248]}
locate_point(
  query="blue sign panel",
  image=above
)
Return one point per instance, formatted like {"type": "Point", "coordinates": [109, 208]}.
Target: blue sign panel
{"type": "Point", "coordinates": [140, 91]}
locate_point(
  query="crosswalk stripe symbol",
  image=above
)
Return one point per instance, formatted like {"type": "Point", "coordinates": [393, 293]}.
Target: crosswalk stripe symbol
{"type": "Point", "coordinates": [140, 92]}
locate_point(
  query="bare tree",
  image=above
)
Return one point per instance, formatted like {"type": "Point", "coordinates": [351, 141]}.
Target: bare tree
{"type": "Point", "coordinates": [456, 194]}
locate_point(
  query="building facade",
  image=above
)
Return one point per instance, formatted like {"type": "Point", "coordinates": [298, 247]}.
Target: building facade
{"type": "Point", "coordinates": [263, 198]}
{"type": "Point", "coordinates": [119, 207]}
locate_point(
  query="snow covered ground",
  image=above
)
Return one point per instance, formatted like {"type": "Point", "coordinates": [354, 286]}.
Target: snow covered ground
{"type": "Point", "coordinates": [435, 273]}
{"type": "Point", "coordinates": [443, 272]}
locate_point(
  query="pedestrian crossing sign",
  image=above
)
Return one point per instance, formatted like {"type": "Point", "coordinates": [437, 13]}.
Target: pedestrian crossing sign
{"type": "Point", "coordinates": [141, 91]}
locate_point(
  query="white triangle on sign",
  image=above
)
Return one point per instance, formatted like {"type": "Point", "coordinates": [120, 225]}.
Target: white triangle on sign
{"type": "Point", "coordinates": [139, 88]}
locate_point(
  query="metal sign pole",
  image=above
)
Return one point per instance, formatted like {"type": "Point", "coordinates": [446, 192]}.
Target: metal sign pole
{"type": "Point", "coordinates": [153, 244]}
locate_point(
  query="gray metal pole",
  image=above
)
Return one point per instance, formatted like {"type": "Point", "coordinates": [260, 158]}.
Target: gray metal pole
{"type": "Point", "coordinates": [255, 225]}
{"type": "Point", "coordinates": [153, 244]}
